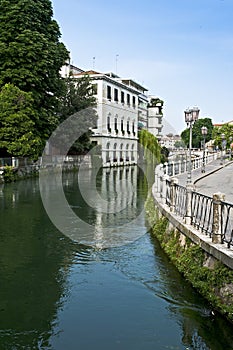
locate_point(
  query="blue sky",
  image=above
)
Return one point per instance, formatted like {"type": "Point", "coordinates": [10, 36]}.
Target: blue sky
{"type": "Point", "coordinates": [181, 50]}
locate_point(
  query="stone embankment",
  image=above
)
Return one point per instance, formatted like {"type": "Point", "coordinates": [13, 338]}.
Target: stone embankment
{"type": "Point", "coordinates": [195, 230]}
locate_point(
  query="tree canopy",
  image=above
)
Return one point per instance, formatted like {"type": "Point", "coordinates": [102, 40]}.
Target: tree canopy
{"type": "Point", "coordinates": [32, 56]}
{"type": "Point", "coordinates": [225, 129]}
{"type": "Point", "coordinates": [151, 147]}
{"type": "Point", "coordinates": [18, 134]}
{"type": "Point", "coordinates": [78, 96]}
{"type": "Point", "coordinates": [197, 136]}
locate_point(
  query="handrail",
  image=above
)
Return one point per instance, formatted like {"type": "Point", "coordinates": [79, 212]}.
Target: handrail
{"type": "Point", "coordinates": [208, 215]}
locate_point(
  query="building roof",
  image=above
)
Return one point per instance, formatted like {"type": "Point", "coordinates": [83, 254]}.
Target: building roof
{"type": "Point", "coordinates": [134, 84]}
{"type": "Point", "coordinates": [88, 72]}
{"type": "Point", "coordinates": [224, 123]}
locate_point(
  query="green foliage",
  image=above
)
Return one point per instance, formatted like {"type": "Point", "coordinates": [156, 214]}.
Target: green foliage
{"type": "Point", "coordinates": [32, 56]}
{"type": "Point", "coordinates": [164, 154]}
{"type": "Point", "coordinates": [179, 144]}
{"type": "Point", "coordinates": [197, 136]}
{"type": "Point", "coordinates": [154, 102]}
{"type": "Point", "coordinates": [77, 95]}
{"type": "Point", "coordinates": [9, 174]}
{"type": "Point", "coordinates": [227, 130]}
{"type": "Point", "coordinates": [17, 123]}
{"type": "Point", "coordinates": [77, 99]}
{"type": "Point", "coordinates": [151, 149]}
{"type": "Point", "coordinates": [189, 259]}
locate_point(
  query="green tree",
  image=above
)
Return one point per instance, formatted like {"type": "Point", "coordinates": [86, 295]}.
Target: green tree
{"type": "Point", "coordinates": [151, 148]}
{"type": "Point", "coordinates": [18, 135]}
{"type": "Point", "coordinates": [225, 129]}
{"type": "Point", "coordinates": [32, 56]}
{"type": "Point", "coordinates": [78, 96]}
{"type": "Point", "coordinates": [164, 154]}
{"type": "Point", "coordinates": [179, 144]}
{"type": "Point", "coordinates": [197, 136]}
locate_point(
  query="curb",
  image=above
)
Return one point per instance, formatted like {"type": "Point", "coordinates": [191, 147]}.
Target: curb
{"type": "Point", "coordinates": [212, 172]}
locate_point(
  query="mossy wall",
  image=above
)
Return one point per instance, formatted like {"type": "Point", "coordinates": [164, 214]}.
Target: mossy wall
{"type": "Point", "coordinates": [211, 278]}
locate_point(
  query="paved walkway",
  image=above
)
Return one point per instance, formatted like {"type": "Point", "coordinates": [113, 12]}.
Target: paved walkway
{"type": "Point", "coordinates": [217, 178]}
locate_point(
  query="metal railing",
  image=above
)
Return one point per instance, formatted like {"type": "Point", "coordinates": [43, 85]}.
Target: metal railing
{"type": "Point", "coordinates": [202, 212]}
{"type": "Point", "coordinates": [173, 168]}
{"type": "Point", "coordinates": [211, 217]}
{"type": "Point", "coordinates": [180, 200]}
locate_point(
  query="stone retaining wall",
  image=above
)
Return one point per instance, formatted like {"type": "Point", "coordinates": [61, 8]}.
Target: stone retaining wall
{"type": "Point", "coordinates": [208, 266]}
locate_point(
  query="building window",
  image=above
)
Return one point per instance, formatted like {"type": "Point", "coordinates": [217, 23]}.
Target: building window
{"type": "Point", "coordinates": [109, 92]}
{"type": "Point", "coordinates": [128, 99]}
{"type": "Point", "coordinates": [134, 101]}
{"type": "Point", "coordinates": [122, 127]}
{"type": "Point", "coordinates": [115, 153]}
{"type": "Point", "coordinates": [128, 131]}
{"type": "Point", "coordinates": [132, 153]}
{"type": "Point", "coordinates": [133, 129]}
{"type": "Point", "coordinates": [115, 125]}
{"type": "Point", "coordinates": [108, 153]}
{"type": "Point", "coordinates": [94, 89]}
{"type": "Point", "coordinates": [109, 123]}
{"type": "Point", "coordinates": [122, 97]}
{"type": "Point", "coordinates": [127, 153]}
{"type": "Point", "coordinates": [116, 95]}
{"type": "Point", "coordinates": [121, 153]}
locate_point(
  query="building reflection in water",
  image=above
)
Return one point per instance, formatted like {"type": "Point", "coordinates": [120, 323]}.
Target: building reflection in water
{"type": "Point", "coordinates": [113, 203]}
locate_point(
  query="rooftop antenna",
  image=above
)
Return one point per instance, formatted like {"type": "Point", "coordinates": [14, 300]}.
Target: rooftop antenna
{"type": "Point", "coordinates": [116, 62]}
{"type": "Point", "coordinates": [93, 63]}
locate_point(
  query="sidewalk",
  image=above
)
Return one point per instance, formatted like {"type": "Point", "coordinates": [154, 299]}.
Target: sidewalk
{"type": "Point", "coordinates": [198, 175]}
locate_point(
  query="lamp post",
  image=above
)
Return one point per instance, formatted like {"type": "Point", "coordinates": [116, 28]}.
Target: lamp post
{"type": "Point", "coordinates": [231, 145]}
{"type": "Point", "coordinates": [204, 131]}
{"type": "Point", "coordinates": [222, 147]}
{"type": "Point", "coordinates": [191, 115]}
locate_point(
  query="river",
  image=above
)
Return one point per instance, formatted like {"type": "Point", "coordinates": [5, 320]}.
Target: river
{"type": "Point", "coordinates": [88, 291]}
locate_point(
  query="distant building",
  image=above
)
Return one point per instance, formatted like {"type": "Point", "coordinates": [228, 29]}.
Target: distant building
{"type": "Point", "coordinates": [155, 116]}
{"type": "Point", "coordinates": [169, 141]}
{"type": "Point", "coordinates": [219, 125]}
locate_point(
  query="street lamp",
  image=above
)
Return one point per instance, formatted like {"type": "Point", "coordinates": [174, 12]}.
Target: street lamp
{"type": "Point", "coordinates": [223, 146]}
{"type": "Point", "coordinates": [191, 115]}
{"type": "Point", "coordinates": [204, 131]}
{"type": "Point", "coordinates": [231, 145]}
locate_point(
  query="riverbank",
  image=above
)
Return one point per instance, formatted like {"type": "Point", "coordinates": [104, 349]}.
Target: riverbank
{"type": "Point", "coordinates": [209, 276]}
{"type": "Point", "coordinates": [16, 169]}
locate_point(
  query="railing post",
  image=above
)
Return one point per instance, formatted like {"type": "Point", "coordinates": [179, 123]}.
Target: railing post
{"type": "Point", "coordinates": [188, 216]}
{"type": "Point", "coordinates": [179, 167]}
{"type": "Point", "coordinates": [216, 226]}
{"type": "Point", "coordinates": [158, 174]}
{"type": "Point", "coordinates": [174, 181]}
{"type": "Point", "coordinates": [164, 189]}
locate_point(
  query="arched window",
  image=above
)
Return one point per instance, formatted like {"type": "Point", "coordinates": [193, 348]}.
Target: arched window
{"type": "Point", "coordinates": [128, 131]}
{"type": "Point", "coordinates": [115, 152]}
{"type": "Point", "coordinates": [132, 153]}
{"type": "Point", "coordinates": [121, 153]}
{"type": "Point", "coordinates": [122, 127]}
{"type": "Point", "coordinates": [133, 128]}
{"type": "Point", "coordinates": [127, 152]}
{"type": "Point", "coordinates": [107, 152]}
{"type": "Point", "coordinates": [115, 125]}
{"type": "Point", "coordinates": [109, 122]}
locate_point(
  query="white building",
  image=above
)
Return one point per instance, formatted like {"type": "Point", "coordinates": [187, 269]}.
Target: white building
{"type": "Point", "coordinates": [117, 109]}
{"type": "Point", "coordinates": [169, 141]}
{"type": "Point", "coordinates": [155, 116]}
{"type": "Point", "coordinates": [122, 105]}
